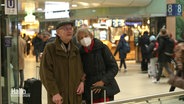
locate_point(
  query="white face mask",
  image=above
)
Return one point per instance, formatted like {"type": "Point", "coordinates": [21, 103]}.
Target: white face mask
{"type": "Point", "coordinates": [85, 41]}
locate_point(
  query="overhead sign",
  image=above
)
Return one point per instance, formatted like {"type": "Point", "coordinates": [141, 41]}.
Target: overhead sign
{"type": "Point", "coordinates": [174, 9]}
{"type": "Point", "coordinates": [11, 7]}
{"type": "Point", "coordinates": [54, 10]}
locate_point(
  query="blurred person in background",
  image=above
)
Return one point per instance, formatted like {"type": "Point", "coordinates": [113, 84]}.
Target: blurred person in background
{"type": "Point", "coordinates": [28, 43]}
{"type": "Point", "coordinates": [152, 50]}
{"type": "Point", "coordinates": [143, 43]}
{"type": "Point", "coordinates": [18, 70]}
{"type": "Point", "coordinates": [38, 45]}
{"type": "Point", "coordinates": [122, 52]}
{"type": "Point", "coordinates": [47, 38]}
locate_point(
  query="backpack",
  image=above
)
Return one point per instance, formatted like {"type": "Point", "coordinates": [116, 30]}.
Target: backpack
{"type": "Point", "coordinates": [169, 47]}
{"type": "Point", "coordinates": [126, 47]}
{"type": "Point", "coordinates": [152, 49]}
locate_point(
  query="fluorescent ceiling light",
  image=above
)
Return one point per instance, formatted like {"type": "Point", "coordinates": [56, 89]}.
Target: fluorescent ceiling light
{"type": "Point", "coordinates": [2, 4]}
{"type": "Point", "coordinates": [95, 4]}
{"type": "Point", "coordinates": [39, 9]}
{"type": "Point", "coordinates": [74, 5]}
{"type": "Point", "coordinates": [83, 3]}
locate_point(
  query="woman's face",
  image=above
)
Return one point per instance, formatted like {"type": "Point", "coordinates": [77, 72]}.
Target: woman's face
{"type": "Point", "coordinates": [84, 39]}
{"type": "Point", "coordinates": [82, 35]}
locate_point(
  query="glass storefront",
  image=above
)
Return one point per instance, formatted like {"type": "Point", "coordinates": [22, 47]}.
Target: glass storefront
{"type": "Point", "coordinates": [9, 60]}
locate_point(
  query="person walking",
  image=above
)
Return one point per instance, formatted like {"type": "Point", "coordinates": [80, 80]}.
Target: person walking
{"type": "Point", "coordinates": [99, 65]}
{"type": "Point", "coordinates": [164, 57]}
{"type": "Point", "coordinates": [61, 70]}
{"type": "Point", "coordinates": [121, 48]}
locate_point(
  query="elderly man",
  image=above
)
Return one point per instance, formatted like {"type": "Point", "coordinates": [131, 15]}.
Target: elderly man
{"type": "Point", "coordinates": [61, 69]}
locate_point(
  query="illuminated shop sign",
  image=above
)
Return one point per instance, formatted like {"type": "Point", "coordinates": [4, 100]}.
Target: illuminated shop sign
{"type": "Point", "coordinates": [133, 23]}
{"type": "Point", "coordinates": [118, 23]}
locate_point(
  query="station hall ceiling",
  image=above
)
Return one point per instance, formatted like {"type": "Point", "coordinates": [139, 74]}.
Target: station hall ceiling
{"type": "Point", "coordinates": [39, 5]}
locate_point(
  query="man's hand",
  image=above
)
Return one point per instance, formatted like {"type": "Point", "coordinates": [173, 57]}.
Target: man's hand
{"type": "Point", "coordinates": [80, 88]}
{"type": "Point", "coordinates": [57, 99]}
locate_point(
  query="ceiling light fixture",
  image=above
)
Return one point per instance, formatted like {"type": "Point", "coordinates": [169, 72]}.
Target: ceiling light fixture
{"type": "Point", "coordinates": [2, 4]}
{"type": "Point", "coordinates": [39, 9]}
{"type": "Point", "coordinates": [84, 4]}
{"type": "Point", "coordinates": [74, 5]}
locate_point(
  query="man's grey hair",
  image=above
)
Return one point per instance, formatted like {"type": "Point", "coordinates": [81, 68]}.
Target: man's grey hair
{"type": "Point", "coordinates": [46, 33]}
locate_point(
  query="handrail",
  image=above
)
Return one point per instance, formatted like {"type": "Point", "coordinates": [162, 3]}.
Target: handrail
{"type": "Point", "coordinates": [145, 98]}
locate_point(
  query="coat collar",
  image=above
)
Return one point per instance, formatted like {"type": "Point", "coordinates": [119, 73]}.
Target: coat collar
{"type": "Point", "coordinates": [61, 51]}
{"type": "Point", "coordinates": [97, 45]}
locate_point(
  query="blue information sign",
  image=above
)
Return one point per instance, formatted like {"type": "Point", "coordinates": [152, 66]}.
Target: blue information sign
{"type": "Point", "coordinates": [174, 9]}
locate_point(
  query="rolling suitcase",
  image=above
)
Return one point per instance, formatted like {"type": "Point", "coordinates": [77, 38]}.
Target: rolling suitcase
{"type": "Point", "coordinates": [103, 88]}
{"type": "Point", "coordinates": [33, 87]}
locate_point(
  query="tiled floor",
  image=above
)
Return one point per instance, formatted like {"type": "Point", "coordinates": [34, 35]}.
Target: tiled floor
{"type": "Point", "coordinates": [132, 84]}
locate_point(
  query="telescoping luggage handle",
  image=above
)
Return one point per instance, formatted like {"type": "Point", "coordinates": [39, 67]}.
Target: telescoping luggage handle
{"type": "Point", "coordinates": [37, 71]}
{"type": "Point", "coordinates": [98, 87]}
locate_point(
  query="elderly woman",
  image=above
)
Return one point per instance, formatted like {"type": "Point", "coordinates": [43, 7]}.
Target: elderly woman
{"type": "Point", "coordinates": [99, 66]}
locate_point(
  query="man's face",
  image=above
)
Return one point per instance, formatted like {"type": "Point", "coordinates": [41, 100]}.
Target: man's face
{"type": "Point", "coordinates": [65, 33]}
{"type": "Point", "coordinates": [45, 38]}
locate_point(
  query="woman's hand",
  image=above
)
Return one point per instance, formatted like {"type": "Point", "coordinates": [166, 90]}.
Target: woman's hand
{"type": "Point", "coordinates": [99, 83]}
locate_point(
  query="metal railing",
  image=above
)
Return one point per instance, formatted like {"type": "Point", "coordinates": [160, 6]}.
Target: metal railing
{"type": "Point", "coordinates": [153, 99]}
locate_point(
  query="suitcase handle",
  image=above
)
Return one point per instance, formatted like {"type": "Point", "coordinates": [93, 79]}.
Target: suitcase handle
{"type": "Point", "coordinates": [98, 87]}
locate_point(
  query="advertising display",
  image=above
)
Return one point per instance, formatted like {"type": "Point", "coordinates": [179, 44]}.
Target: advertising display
{"type": "Point", "coordinates": [117, 22]}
